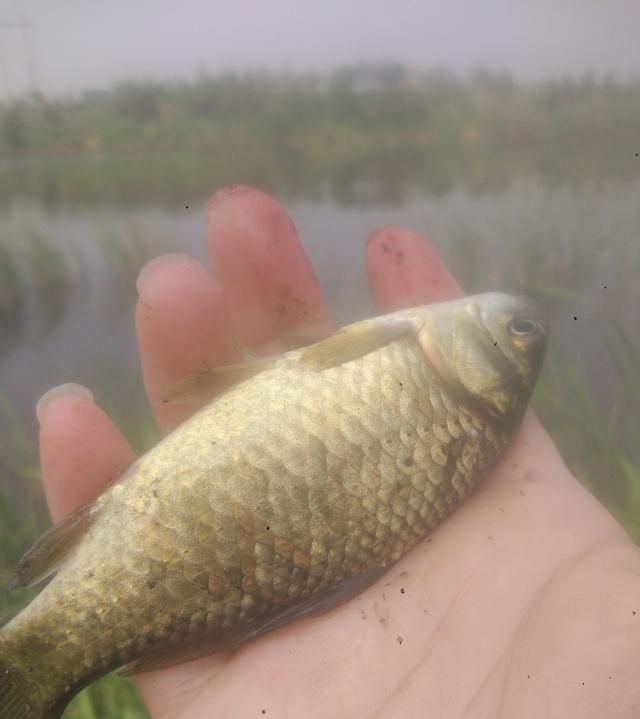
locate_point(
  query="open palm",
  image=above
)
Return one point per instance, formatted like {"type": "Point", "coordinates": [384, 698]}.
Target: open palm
{"type": "Point", "coordinates": [525, 603]}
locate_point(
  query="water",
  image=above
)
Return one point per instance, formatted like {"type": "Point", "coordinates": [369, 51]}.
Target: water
{"type": "Point", "coordinates": [574, 247]}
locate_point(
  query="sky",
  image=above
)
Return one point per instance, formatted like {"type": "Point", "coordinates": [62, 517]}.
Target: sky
{"type": "Point", "coordinates": [78, 44]}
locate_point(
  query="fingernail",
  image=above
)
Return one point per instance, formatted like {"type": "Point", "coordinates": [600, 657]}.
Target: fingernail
{"type": "Point", "coordinates": [62, 391]}
{"type": "Point", "coordinates": [171, 258]}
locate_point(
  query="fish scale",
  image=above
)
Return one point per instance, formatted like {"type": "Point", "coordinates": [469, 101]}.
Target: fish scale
{"type": "Point", "coordinates": [263, 507]}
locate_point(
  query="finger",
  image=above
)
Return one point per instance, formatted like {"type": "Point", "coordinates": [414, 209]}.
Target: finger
{"type": "Point", "coordinates": [406, 270]}
{"type": "Point", "coordinates": [272, 289]}
{"type": "Point", "coordinates": [183, 325]}
{"type": "Point", "coordinates": [81, 450]}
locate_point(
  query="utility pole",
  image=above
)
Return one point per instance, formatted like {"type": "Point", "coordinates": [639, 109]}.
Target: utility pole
{"type": "Point", "coordinates": [25, 27]}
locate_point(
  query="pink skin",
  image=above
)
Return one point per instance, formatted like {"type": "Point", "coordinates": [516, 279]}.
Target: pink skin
{"type": "Point", "coordinates": [526, 603]}
{"type": "Point", "coordinates": [81, 453]}
{"type": "Point", "coordinates": [405, 270]}
{"type": "Point", "coordinates": [272, 289]}
{"type": "Point", "coordinates": [182, 316]}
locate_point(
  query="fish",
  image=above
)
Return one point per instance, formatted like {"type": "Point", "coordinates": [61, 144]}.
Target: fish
{"type": "Point", "coordinates": [299, 482]}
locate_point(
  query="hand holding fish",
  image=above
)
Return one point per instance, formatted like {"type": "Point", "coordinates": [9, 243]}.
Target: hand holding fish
{"type": "Point", "coordinates": [525, 603]}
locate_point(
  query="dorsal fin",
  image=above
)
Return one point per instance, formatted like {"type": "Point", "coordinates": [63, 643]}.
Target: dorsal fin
{"type": "Point", "coordinates": [51, 549]}
{"type": "Point", "coordinates": [345, 345]}
{"type": "Point", "coordinates": [200, 387]}
{"type": "Point", "coordinates": [354, 341]}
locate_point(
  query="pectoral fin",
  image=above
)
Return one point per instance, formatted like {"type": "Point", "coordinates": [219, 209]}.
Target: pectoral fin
{"type": "Point", "coordinates": [312, 607]}
{"type": "Point", "coordinates": [48, 553]}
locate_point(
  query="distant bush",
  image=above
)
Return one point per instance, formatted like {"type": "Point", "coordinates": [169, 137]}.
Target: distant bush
{"type": "Point", "coordinates": [356, 124]}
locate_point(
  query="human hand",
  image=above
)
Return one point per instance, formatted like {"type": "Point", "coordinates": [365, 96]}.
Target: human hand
{"type": "Point", "coordinates": [525, 603]}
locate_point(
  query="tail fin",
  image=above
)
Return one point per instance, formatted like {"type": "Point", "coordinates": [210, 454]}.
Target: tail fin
{"type": "Point", "coordinates": [19, 699]}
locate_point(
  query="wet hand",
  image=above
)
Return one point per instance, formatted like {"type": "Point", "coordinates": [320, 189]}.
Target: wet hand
{"type": "Point", "coordinates": [525, 603]}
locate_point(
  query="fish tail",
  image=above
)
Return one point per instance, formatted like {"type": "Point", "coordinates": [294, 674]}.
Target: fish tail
{"type": "Point", "coordinates": [19, 699]}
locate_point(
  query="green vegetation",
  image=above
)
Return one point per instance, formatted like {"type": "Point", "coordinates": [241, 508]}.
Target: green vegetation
{"type": "Point", "coordinates": [310, 134]}
{"type": "Point", "coordinates": [601, 448]}
{"type": "Point", "coordinates": [110, 697]}
{"type": "Point", "coordinates": [21, 503]}
{"type": "Point", "coordinates": [12, 291]}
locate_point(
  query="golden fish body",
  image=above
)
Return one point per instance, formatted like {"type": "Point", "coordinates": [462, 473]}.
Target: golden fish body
{"type": "Point", "coordinates": [286, 495]}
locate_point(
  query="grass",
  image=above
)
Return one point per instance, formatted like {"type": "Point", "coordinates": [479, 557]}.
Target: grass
{"type": "Point", "coordinates": [52, 280]}
{"type": "Point", "coordinates": [12, 293]}
{"type": "Point", "coordinates": [600, 445]}
{"type": "Point", "coordinates": [110, 697]}
{"type": "Point", "coordinates": [21, 505]}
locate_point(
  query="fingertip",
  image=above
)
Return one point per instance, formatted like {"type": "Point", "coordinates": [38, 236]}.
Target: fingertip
{"type": "Point", "coordinates": [68, 390]}
{"type": "Point", "coordinates": [257, 257]}
{"type": "Point", "coordinates": [81, 451]}
{"type": "Point", "coordinates": [154, 268]}
{"type": "Point", "coordinates": [405, 269]}
{"type": "Point", "coordinates": [220, 196]}
{"type": "Point", "coordinates": [164, 272]}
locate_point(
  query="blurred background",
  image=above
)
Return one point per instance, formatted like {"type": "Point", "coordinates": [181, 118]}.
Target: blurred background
{"type": "Point", "coordinates": [509, 133]}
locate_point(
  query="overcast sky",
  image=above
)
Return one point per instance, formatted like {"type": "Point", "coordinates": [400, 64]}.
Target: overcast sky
{"type": "Point", "coordinates": [76, 44]}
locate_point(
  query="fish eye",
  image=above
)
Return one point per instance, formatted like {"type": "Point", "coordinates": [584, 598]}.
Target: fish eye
{"type": "Point", "coordinates": [522, 327]}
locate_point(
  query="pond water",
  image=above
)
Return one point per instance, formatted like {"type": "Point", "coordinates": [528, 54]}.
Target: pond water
{"type": "Point", "coordinates": [67, 292]}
